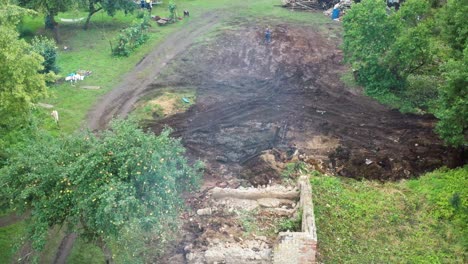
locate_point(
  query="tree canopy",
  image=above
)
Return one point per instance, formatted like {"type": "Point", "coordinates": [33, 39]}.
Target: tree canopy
{"type": "Point", "coordinates": [21, 83]}
{"type": "Point", "coordinates": [99, 185]}
{"type": "Point", "coordinates": [413, 58]}
{"type": "Point", "coordinates": [110, 6]}
{"type": "Point", "coordinates": [50, 8]}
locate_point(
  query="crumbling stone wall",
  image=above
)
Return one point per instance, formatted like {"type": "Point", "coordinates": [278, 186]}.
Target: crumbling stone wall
{"type": "Point", "coordinates": [299, 247]}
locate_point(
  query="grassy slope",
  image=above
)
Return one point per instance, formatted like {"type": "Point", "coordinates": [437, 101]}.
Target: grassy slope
{"type": "Point", "coordinates": [405, 222]}
{"type": "Point", "coordinates": [9, 236]}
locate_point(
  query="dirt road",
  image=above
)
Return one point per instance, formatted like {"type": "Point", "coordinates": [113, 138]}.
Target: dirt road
{"type": "Point", "coordinates": [120, 101]}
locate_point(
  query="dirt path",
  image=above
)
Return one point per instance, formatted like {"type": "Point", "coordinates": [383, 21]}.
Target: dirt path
{"type": "Point", "coordinates": [65, 248]}
{"type": "Point", "coordinates": [120, 101]}
{"type": "Point", "coordinates": [12, 219]}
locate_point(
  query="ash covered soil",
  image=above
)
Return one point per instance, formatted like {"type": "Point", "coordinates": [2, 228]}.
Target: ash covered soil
{"type": "Point", "coordinates": [287, 96]}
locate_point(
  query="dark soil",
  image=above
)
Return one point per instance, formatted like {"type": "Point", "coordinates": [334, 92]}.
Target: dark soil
{"type": "Point", "coordinates": [254, 97]}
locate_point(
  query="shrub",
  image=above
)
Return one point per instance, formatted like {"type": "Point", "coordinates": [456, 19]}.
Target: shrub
{"type": "Point", "coordinates": [122, 182]}
{"type": "Point", "coordinates": [47, 49]}
{"type": "Point", "coordinates": [130, 38]}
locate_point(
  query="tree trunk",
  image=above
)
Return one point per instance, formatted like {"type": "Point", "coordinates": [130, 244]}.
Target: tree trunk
{"type": "Point", "coordinates": [53, 25]}
{"type": "Point", "coordinates": [92, 11]}
{"type": "Point", "coordinates": [106, 250]}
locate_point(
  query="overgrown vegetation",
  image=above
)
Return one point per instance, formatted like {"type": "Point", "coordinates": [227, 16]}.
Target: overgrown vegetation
{"type": "Point", "coordinates": [414, 59]}
{"type": "Point", "coordinates": [22, 84]}
{"type": "Point", "coordinates": [291, 224]}
{"type": "Point", "coordinates": [48, 50]}
{"type": "Point", "coordinates": [123, 181]}
{"type": "Point", "coordinates": [417, 221]}
{"type": "Point", "coordinates": [131, 38]}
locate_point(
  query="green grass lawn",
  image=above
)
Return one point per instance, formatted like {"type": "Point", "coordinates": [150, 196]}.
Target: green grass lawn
{"type": "Point", "coordinates": [9, 237]}
{"type": "Point", "coordinates": [90, 50]}
{"type": "Point", "coordinates": [417, 221]}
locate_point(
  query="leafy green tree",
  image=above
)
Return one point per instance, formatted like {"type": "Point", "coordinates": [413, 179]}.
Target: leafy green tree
{"type": "Point", "coordinates": [103, 187]}
{"type": "Point", "coordinates": [453, 26]}
{"type": "Point", "coordinates": [21, 83]}
{"type": "Point", "coordinates": [413, 58]}
{"type": "Point", "coordinates": [110, 6]}
{"type": "Point", "coordinates": [452, 109]}
{"type": "Point", "coordinates": [368, 34]}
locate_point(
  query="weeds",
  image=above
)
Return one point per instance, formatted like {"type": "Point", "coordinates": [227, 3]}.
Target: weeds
{"type": "Point", "coordinates": [293, 169]}
{"type": "Point", "coordinates": [291, 224]}
{"type": "Point", "coordinates": [418, 221]}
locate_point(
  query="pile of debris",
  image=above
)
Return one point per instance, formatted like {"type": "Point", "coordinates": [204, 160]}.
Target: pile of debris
{"type": "Point", "coordinates": [309, 4]}
{"type": "Point", "coordinates": [237, 225]}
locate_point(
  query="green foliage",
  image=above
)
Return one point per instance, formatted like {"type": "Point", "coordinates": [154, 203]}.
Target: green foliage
{"type": "Point", "coordinates": [293, 168]}
{"type": "Point", "coordinates": [291, 225]}
{"type": "Point", "coordinates": [173, 10]}
{"type": "Point", "coordinates": [48, 50]}
{"type": "Point", "coordinates": [364, 44]}
{"type": "Point", "coordinates": [454, 29]}
{"type": "Point", "coordinates": [112, 6]}
{"type": "Point", "coordinates": [453, 103]}
{"type": "Point", "coordinates": [51, 7]}
{"type": "Point", "coordinates": [131, 38]}
{"type": "Point", "coordinates": [109, 6]}
{"type": "Point", "coordinates": [418, 221]}
{"type": "Point", "coordinates": [21, 83]}
{"type": "Point", "coordinates": [11, 15]}
{"type": "Point", "coordinates": [410, 59]}
{"type": "Point", "coordinates": [100, 186]}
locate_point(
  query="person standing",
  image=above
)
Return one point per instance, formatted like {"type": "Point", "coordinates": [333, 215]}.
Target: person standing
{"type": "Point", "coordinates": [336, 12]}
{"type": "Point", "coordinates": [149, 5]}
{"type": "Point", "coordinates": [268, 36]}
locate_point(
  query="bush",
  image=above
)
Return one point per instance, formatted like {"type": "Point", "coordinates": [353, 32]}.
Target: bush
{"type": "Point", "coordinates": [47, 49]}
{"type": "Point", "coordinates": [422, 91]}
{"type": "Point", "coordinates": [122, 182]}
{"type": "Point", "coordinates": [130, 38]}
